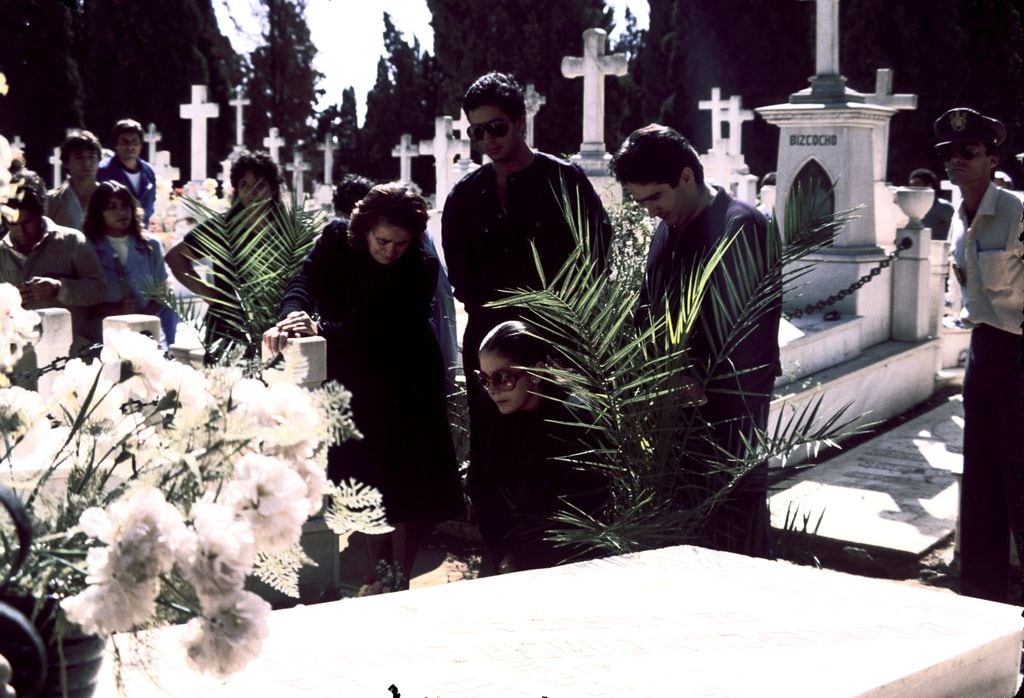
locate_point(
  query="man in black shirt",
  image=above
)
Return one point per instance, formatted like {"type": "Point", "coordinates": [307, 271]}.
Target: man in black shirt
{"type": "Point", "coordinates": [494, 213]}
{"type": "Point", "coordinates": [735, 359]}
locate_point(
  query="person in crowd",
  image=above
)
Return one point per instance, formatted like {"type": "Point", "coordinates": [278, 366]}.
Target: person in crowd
{"type": "Point", "coordinates": [132, 263]}
{"type": "Point", "coordinates": [80, 155]}
{"type": "Point", "coordinates": [257, 183]}
{"type": "Point", "coordinates": [127, 167]}
{"type": "Point", "coordinates": [522, 197]}
{"type": "Point", "coordinates": [986, 250]}
{"type": "Point", "coordinates": [663, 173]}
{"type": "Point", "coordinates": [52, 266]}
{"type": "Point", "coordinates": [349, 191]}
{"type": "Point", "coordinates": [367, 290]}
{"type": "Point", "coordinates": [940, 214]}
{"type": "Point", "coordinates": [522, 447]}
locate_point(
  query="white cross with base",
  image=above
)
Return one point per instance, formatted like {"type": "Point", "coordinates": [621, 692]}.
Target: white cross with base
{"type": "Point", "coordinates": [826, 33]}
{"type": "Point", "coordinates": [328, 148]}
{"type": "Point", "coordinates": [405, 152]}
{"type": "Point", "coordinates": [297, 167]}
{"type": "Point", "coordinates": [717, 108]}
{"type": "Point", "coordinates": [55, 161]}
{"type": "Point", "coordinates": [152, 137]}
{"type": "Point", "coordinates": [444, 147]}
{"type": "Point", "coordinates": [592, 67]}
{"type": "Point", "coordinates": [534, 101]}
{"type": "Point", "coordinates": [238, 103]}
{"type": "Point", "coordinates": [273, 144]}
{"type": "Point", "coordinates": [736, 118]}
{"type": "Point", "coordinates": [18, 143]}
{"type": "Point", "coordinates": [162, 166]}
{"type": "Point", "coordinates": [198, 111]}
{"type": "Point", "coordinates": [225, 176]}
{"type": "Point", "coordinates": [883, 92]}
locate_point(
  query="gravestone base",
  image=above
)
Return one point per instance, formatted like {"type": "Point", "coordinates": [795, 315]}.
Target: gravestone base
{"type": "Point", "coordinates": [316, 583]}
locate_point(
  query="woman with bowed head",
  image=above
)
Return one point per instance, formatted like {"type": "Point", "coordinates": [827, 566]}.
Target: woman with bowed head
{"type": "Point", "coordinates": [521, 471]}
{"type": "Point", "coordinates": [367, 288]}
{"type": "Point", "coordinates": [133, 264]}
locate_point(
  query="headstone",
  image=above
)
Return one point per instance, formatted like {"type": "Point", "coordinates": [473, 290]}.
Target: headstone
{"type": "Point", "coordinates": [717, 108]}
{"type": "Point", "coordinates": [328, 148]}
{"type": "Point", "coordinates": [593, 66]}
{"type": "Point", "coordinates": [444, 146]}
{"type": "Point", "coordinates": [152, 137]}
{"type": "Point", "coordinates": [162, 166]}
{"type": "Point", "coordinates": [16, 142]}
{"type": "Point", "coordinates": [405, 152]}
{"type": "Point", "coordinates": [826, 37]}
{"type": "Point", "coordinates": [912, 317]}
{"type": "Point", "coordinates": [198, 111]}
{"type": "Point", "coordinates": [297, 167]}
{"type": "Point", "coordinates": [239, 103]}
{"type": "Point", "coordinates": [136, 322]}
{"type": "Point", "coordinates": [273, 143]}
{"type": "Point", "coordinates": [724, 163]}
{"type": "Point", "coordinates": [55, 161]}
{"type": "Point", "coordinates": [737, 116]}
{"type": "Point", "coordinates": [225, 172]}
{"type": "Point", "coordinates": [883, 96]}
{"type": "Point", "coordinates": [534, 101]}
{"type": "Point", "coordinates": [55, 339]}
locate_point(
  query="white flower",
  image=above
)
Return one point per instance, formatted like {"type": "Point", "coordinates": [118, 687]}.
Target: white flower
{"type": "Point", "coordinates": [284, 412]}
{"type": "Point", "coordinates": [229, 634]}
{"type": "Point", "coordinates": [272, 497]}
{"type": "Point", "coordinates": [191, 386]}
{"type": "Point", "coordinates": [314, 475]}
{"type": "Point", "coordinates": [221, 552]}
{"type": "Point", "coordinates": [73, 386]}
{"type": "Point", "coordinates": [142, 355]}
{"type": "Point", "coordinates": [112, 608]}
{"type": "Point", "coordinates": [17, 326]}
{"type": "Point", "coordinates": [20, 411]}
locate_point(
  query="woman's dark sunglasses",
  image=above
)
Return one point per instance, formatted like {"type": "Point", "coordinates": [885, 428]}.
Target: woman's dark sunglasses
{"type": "Point", "coordinates": [496, 127]}
{"type": "Point", "coordinates": [966, 152]}
{"type": "Point", "coordinates": [502, 380]}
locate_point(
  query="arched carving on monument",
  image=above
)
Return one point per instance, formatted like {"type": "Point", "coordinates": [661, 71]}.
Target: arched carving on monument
{"type": "Point", "coordinates": [815, 183]}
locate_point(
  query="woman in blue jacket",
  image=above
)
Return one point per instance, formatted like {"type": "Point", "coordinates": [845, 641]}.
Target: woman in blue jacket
{"type": "Point", "coordinates": [132, 264]}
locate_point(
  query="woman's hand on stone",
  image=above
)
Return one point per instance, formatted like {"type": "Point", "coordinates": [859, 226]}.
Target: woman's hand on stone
{"type": "Point", "coordinates": [296, 324]}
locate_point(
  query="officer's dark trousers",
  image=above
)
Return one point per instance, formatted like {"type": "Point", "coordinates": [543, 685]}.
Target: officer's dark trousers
{"type": "Point", "coordinates": [990, 499]}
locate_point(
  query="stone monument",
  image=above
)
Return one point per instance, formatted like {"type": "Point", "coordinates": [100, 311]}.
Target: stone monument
{"type": "Point", "coordinates": [723, 163]}
{"type": "Point", "coordinates": [152, 137]}
{"type": "Point", "coordinates": [297, 167]}
{"type": "Point", "coordinates": [239, 103]}
{"type": "Point", "coordinates": [55, 161]}
{"type": "Point", "coordinates": [445, 147]}
{"type": "Point", "coordinates": [405, 151]}
{"type": "Point", "coordinates": [273, 143]}
{"type": "Point", "coordinates": [534, 101]}
{"type": "Point", "coordinates": [198, 111]}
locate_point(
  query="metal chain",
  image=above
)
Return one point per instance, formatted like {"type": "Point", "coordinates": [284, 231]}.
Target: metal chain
{"type": "Point", "coordinates": [57, 364]}
{"type": "Point", "coordinates": [904, 244]}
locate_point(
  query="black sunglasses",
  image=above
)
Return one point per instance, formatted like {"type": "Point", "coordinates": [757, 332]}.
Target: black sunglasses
{"type": "Point", "coordinates": [496, 127]}
{"type": "Point", "coordinates": [502, 380]}
{"type": "Point", "coordinates": [947, 151]}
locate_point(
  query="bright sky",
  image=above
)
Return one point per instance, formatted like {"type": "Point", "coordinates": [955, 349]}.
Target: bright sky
{"type": "Point", "coordinates": [349, 35]}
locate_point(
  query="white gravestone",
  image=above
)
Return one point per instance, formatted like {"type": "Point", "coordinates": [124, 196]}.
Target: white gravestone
{"type": "Point", "coordinates": [826, 32]}
{"type": "Point", "coordinates": [328, 147]}
{"type": "Point", "coordinates": [55, 161]}
{"type": "Point", "coordinates": [152, 137]}
{"type": "Point", "coordinates": [297, 167]}
{"type": "Point", "coordinates": [593, 66]}
{"type": "Point", "coordinates": [405, 151]}
{"type": "Point", "coordinates": [273, 143]}
{"type": "Point", "coordinates": [239, 103]}
{"type": "Point", "coordinates": [737, 116]}
{"type": "Point", "coordinates": [225, 173]}
{"type": "Point", "coordinates": [717, 107]}
{"type": "Point", "coordinates": [444, 146]}
{"type": "Point", "coordinates": [198, 111]}
{"type": "Point", "coordinates": [724, 163]}
{"type": "Point", "coordinates": [162, 166]}
{"type": "Point", "coordinates": [883, 96]}
{"type": "Point", "coordinates": [16, 142]}
{"type": "Point", "coordinates": [534, 101]}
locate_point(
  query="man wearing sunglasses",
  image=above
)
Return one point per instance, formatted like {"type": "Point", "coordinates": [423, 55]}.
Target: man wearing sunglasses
{"type": "Point", "coordinates": [495, 213]}
{"type": "Point", "coordinates": [986, 251]}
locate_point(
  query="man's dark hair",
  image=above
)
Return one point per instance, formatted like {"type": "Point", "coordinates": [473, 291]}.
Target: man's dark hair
{"type": "Point", "coordinates": [656, 154]}
{"type": "Point", "coordinates": [926, 176]}
{"type": "Point", "coordinates": [395, 203]}
{"type": "Point", "coordinates": [126, 126]}
{"type": "Point", "coordinates": [30, 192]}
{"type": "Point", "coordinates": [80, 140]}
{"type": "Point", "coordinates": [350, 191]}
{"type": "Point", "coordinates": [261, 165]}
{"type": "Point", "coordinates": [498, 90]}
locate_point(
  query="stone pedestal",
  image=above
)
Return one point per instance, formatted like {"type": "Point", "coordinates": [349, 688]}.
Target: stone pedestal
{"type": "Point", "coordinates": [54, 342]}
{"type": "Point", "coordinates": [912, 305]}
{"type": "Point", "coordinates": [305, 363]}
{"type": "Point", "coordinates": [148, 325]}
{"type": "Point", "coordinates": [594, 162]}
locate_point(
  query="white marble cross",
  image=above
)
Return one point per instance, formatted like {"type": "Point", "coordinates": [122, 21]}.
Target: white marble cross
{"type": "Point", "coordinates": [444, 146]}
{"type": "Point", "coordinates": [198, 111]}
{"type": "Point", "coordinates": [152, 137]}
{"type": "Point", "coordinates": [534, 101]}
{"type": "Point", "coordinates": [826, 32]}
{"type": "Point", "coordinates": [328, 148]}
{"type": "Point", "coordinates": [55, 161]}
{"type": "Point", "coordinates": [162, 166]}
{"type": "Point", "coordinates": [273, 143]}
{"type": "Point", "coordinates": [18, 143]}
{"type": "Point", "coordinates": [297, 167]}
{"type": "Point", "coordinates": [225, 171]}
{"type": "Point", "coordinates": [883, 92]}
{"type": "Point", "coordinates": [717, 108]}
{"type": "Point", "coordinates": [405, 152]}
{"type": "Point", "coordinates": [592, 67]}
{"type": "Point", "coordinates": [239, 103]}
{"type": "Point", "coordinates": [736, 118]}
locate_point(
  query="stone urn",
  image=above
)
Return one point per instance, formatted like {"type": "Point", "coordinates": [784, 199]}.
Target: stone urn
{"type": "Point", "coordinates": [914, 202]}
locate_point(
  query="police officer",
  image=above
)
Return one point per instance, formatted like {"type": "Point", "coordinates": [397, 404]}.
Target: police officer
{"type": "Point", "coordinates": [987, 262]}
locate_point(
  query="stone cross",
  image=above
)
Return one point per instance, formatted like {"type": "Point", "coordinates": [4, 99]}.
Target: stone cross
{"type": "Point", "coordinates": [225, 171]}
{"type": "Point", "coordinates": [55, 161]}
{"type": "Point", "coordinates": [592, 67]}
{"type": "Point", "coordinates": [717, 108]}
{"type": "Point", "coordinates": [955, 196]}
{"type": "Point", "coordinates": [405, 152]}
{"type": "Point", "coordinates": [198, 111]}
{"type": "Point", "coordinates": [18, 143]}
{"type": "Point", "coordinates": [883, 92]}
{"type": "Point", "coordinates": [273, 143]}
{"type": "Point", "coordinates": [736, 118]}
{"type": "Point", "coordinates": [162, 166]}
{"type": "Point", "coordinates": [826, 44]}
{"type": "Point", "coordinates": [239, 103]}
{"type": "Point", "coordinates": [444, 146]}
{"type": "Point", "coordinates": [328, 148]}
{"type": "Point", "coordinates": [297, 167]}
{"type": "Point", "coordinates": [534, 101]}
{"type": "Point", "coordinates": [152, 137]}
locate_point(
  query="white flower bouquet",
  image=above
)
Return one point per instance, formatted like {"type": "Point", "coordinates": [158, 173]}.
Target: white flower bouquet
{"type": "Point", "coordinates": [155, 490]}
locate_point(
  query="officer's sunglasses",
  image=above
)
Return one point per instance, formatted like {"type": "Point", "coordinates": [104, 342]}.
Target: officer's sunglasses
{"type": "Point", "coordinates": [496, 127]}
{"type": "Point", "coordinates": [948, 151]}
